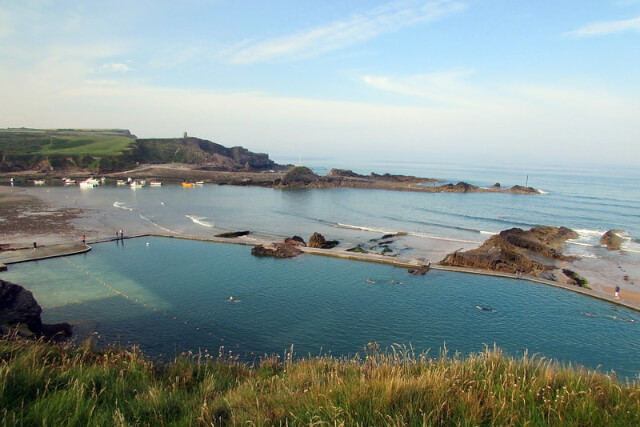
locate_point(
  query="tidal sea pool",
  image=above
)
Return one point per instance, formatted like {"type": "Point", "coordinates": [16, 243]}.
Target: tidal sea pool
{"type": "Point", "coordinates": [169, 296]}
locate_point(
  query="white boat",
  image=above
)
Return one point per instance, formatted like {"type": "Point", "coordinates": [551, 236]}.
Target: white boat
{"type": "Point", "coordinates": [155, 183]}
{"type": "Point", "coordinates": [68, 181]}
{"type": "Point", "coordinates": [121, 182]}
{"type": "Point", "coordinates": [38, 181]}
{"type": "Point", "coordinates": [88, 184]}
{"type": "Point", "coordinates": [135, 184]}
{"type": "Point", "coordinates": [199, 182]}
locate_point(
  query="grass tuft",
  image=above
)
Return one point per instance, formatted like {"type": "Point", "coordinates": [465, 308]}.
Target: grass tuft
{"type": "Point", "coordinates": [57, 384]}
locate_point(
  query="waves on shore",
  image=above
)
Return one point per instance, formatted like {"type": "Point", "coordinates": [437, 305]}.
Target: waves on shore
{"type": "Point", "coordinates": [591, 239]}
{"type": "Point", "coordinates": [157, 225]}
{"type": "Point", "coordinates": [200, 220]}
{"type": "Point", "coordinates": [415, 234]}
{"type": "Point", "coordinates": [121, 205]}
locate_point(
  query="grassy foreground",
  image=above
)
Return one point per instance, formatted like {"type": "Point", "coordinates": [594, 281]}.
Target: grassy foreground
{"type": "Point", "coordinates": [43, 384]}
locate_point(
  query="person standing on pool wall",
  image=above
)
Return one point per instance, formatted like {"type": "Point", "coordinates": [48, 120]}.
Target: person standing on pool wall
{"type": "Point", "coordinates": [617, 292]}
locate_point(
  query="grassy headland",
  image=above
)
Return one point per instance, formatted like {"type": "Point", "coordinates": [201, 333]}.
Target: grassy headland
{"type": "Point", "coordinates": [62, 385]}
{"type": "Point", "coordinates": [109, 150]}
{"type": "Point", "coordinates": [62, 148]}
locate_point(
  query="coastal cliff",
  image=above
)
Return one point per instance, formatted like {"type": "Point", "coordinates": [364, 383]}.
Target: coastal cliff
{"type": "Point", "coordinates": [112, 150]}
{"type": "Point", "coordinates": [515, 250]}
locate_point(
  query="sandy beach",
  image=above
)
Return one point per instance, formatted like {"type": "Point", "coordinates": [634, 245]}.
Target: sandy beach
{"type": "Point", "coordinates": [28, 215]}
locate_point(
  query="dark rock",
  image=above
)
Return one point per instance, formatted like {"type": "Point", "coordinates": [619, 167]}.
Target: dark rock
{"type": "Point", "coordinates": [518, 189]}
{"type": "Point", "coordinates": [358, 249]}
{"type": "Point", "coordinates": [318, 241]}
{"type": "Point", "coordinates": [461, 187]}
{"type": "Point", "coordinates": [277, 250]}
{"type": "Point", "coordinates": [419, 270]}
{"type": "Point", "coordinates": [57, 331]}
{"type": "Point", "coordinates": [19, 307]}
{"type": "Point", "coordinates": [232, 234]}
{"type": "Point", "coordinates": [299, 176]}
{"type": "Point", "coordinates": [496, 185]}
{"type": "Point", "coordinates": [344, 173]}
{"type": "Point", "coordinates": [516, 251]}
{"type": "Point", "coordinates": [612, 240]}
{"type": "Point", "coordinates": [399, 178]}
{"type": "Point", "coordinates": [295, 240]}
{"type": "Point", "coordinates": [574, 278]}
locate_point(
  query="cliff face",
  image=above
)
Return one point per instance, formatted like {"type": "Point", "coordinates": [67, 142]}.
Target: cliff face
{"type": "Point", "coordinates": [516, 251]}
{"type": "Point", "coordinates": [201, 152]}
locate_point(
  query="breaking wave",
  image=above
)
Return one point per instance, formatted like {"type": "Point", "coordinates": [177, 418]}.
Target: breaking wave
{"type": "Point", "coordinates": [121, 205]}
{"type": "Point", "coordinates": [200, 220]}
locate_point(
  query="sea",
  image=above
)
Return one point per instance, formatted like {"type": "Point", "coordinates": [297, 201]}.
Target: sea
{"type": "Point", "coordinates": [169, 296]}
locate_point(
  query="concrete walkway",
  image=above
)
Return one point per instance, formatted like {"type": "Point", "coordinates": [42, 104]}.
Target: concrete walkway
{"type": "Point", "coordinates": [42, 252]}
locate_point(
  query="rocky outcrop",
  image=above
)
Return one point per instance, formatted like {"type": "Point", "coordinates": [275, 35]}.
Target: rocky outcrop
{"type": "Point", "coordinates": [344, 173]}
{"type": "Point", "coordinates": [318, 241]}
{"type": "Point", "coordinates": [299, 176]}
{"type": "Point", "coordinates": [419, 270]}
{"type": "Point", "coordinates": [234, 234]}
{"type": "Point", "coordinates": [19, 307]}
{"type": "Point", "coordinates": [295, 241]}
{"type": "Point", "coordinates": [276, 250]}
{"type": "Point", "coordinates": [208, 154]}
{"type": "Point", "coordinates": [518, 189]}
{"type": "Point", "coordinates": [461, 187]}
{"type": "Point", "coordinates": [575, 278]}
{"type": "Point", "coordinates": [612, 240]}
{"type": "Point", "coordinates": [516, 251]}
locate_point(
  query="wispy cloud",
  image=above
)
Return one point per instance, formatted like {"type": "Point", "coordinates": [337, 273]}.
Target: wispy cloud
{"type": "Point", "coordinates": [446, 88]}
{"type": "Point", "coordinates": [607, 27]}
{"type": "Point", "coordinates": [118, 68]}
{"type": "Point", "coordinates": [340, 34]}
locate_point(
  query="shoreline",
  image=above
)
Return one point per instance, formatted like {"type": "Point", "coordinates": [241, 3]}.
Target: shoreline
{"type": "Point", "coordinates": [179, 172]}
{"type": "Point", "coordinates": [58, 250]}
{"type": "Point", "coordinates": [48, 221]}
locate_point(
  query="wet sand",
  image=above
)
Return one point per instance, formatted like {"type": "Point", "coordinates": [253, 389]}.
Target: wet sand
{"type": "Point", "coordinates": [26, 218]}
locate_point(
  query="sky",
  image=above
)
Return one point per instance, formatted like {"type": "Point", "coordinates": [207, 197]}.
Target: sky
{"type": "Point", "coordinates": [487, 81]}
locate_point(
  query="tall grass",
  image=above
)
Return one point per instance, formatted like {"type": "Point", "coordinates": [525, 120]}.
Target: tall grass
{"type": "Point", "coordinates": [62, 385]}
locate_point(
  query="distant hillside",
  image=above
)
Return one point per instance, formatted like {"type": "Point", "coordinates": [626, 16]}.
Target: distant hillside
{"type": "Point", "coordinates": [198, 151]}
{"type": "Point", "coordinates": [108, 150]}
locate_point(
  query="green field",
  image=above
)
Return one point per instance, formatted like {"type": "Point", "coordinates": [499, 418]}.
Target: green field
{"type": "Point", "coordinates": [99, 142]}
{"type": "Point", "coordinates": [96, 149]}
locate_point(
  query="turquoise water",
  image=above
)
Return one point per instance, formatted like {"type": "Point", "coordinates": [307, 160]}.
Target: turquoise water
{"type": "Point", "coordinates": [320, 305]}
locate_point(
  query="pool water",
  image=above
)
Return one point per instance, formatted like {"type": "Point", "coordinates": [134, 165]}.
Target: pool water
{"type": "Point", "coordinates": [168, 296]}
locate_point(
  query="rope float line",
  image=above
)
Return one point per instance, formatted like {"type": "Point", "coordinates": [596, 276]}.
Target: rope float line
{"type": "Point", "coordinates": [118, 292]}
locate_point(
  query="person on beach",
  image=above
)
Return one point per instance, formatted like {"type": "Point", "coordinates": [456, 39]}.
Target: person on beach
{"type": "Point", "coordinates": [35, 245]}
{"type": "Point", "coordinates": [84, 240]}
{"type": "Point", "coordinates": [617, 292]}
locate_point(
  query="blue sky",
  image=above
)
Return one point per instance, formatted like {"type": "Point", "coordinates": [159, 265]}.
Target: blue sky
{"type": "Point", "coordinates": [437, 80]}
